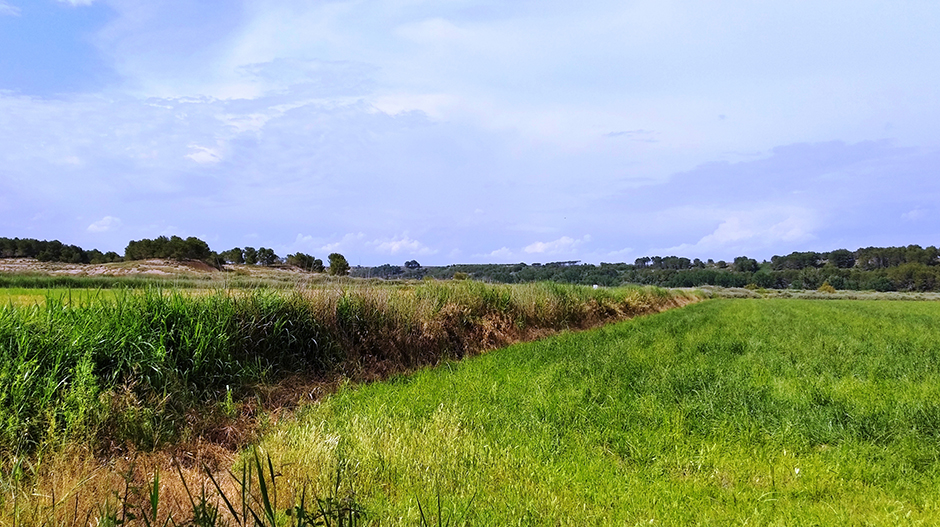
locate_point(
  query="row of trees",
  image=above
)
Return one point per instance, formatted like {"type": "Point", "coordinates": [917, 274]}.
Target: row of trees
{"type": "Point", "coordinates": [267, 257]}
{"type": "Point", "coordinates": [163, 247]}
{"type": "Point", "coordinates": [868, 258]}
{"type": "Point", "coordinates": [411, 270]}
{"type": "Point", "coordinates": [174, 248]}
{"type": "Point", "coordinates": [910, 268]}
{"type": "Point", "coordinates": [250, 256]}
{"type": "Point", "coordinates": [53, 251]}
{"type": "Point", "coordinates": [906, 277]}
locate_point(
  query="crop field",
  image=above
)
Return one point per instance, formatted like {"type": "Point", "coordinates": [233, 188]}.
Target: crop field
{"type": "Point", "coordinates": [757, 412]}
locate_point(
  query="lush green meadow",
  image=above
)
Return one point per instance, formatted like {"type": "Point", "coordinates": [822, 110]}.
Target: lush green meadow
{"type": "Point", "coordinates": [758, 412]}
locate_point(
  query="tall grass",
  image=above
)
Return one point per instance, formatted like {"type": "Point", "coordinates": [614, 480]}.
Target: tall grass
{"type": "Point", "coordinates": [148, 369]}
{"type": "Point", "coordinates": [131, 368]}
{"type": "Point", "coordinates": [226, 280]}
{"type": "Point", "coordinates": [763, 412]}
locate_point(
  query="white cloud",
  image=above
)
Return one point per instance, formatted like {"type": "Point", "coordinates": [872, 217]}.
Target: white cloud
{"type": "Point", "coordinates": [743, 231]}
{"type": "Point", "coordinates": [503, 253]}
{"type": "Point", "coordinates": [434, 31]}
{"type": "Point", "coordinates": [303, 239]}
{"type": "Point", "coordinates": [8, 10]}
{"type": "Point", "coordinates": [562, 245]}
{"type": "Point", "coordinates": [623, 254]}
{"type": "Point", "coordinates": [434, 105]}
{"type": "Point", "coordinates": [348, 241]}
{"type": "Point", "coordinates": [205, 155]}
{"type": "Point", "coordinates": [313, 111]}
{"type": "Point", "coordinates": [106, 224]}
{"type": "Point", "coordinates": [402, 244]}
{"type": "Point", "coordinates": [915, 215]}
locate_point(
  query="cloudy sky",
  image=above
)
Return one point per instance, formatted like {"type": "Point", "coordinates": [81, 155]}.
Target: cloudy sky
{"type": "Point", "coordinates": [455, 131]}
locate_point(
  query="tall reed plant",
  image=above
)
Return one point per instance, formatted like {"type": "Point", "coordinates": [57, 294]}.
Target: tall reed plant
{"type": "Point", "coordinates": [132, 367]}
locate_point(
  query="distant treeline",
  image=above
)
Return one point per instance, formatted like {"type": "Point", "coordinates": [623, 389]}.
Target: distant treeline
{"type": "Point", "coordinates": [53, 251]}
{"type": "Point", "coordinates": [910, 268]}
{"type": "Point", "coordinates": [173, 248]}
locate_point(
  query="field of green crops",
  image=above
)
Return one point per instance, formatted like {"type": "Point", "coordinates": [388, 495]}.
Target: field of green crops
{"type": "Point", "coordinates": [757, 412]}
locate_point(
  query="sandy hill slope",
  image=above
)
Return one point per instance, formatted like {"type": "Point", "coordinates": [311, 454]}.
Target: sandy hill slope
{"type": "Point", "coordinates": [155, 268]}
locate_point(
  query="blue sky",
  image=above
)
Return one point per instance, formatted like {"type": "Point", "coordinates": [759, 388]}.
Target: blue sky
{"type": "Point", "coordinates": [472, 131]}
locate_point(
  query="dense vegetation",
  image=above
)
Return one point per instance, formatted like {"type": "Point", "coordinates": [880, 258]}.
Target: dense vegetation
{"type": "Point", "coordinates": [174, 248]}
{"type": "Point", "coordinates": [161, 247]}
{"type": "Point", "coordinates": [909, 268]}
{"type": "Point", "coordinates": [54, 251]}
{"type": "Point", "coordinates": [763, 412]}
{"type": "Point", "coordinates": [132, 367]}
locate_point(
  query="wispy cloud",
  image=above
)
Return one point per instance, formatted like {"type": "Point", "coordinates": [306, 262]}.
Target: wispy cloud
{"type": "Point", "coordinates": [106, 224]}
{"type": "Point", "coordinates": [917, 214]}
{"type": "Point", "coordinates": [8, 10]}
{"type": "Point", "coordinates": [402, 244]}
{"type": "Point", "coordinates": [500, 255]}
{"type": "Point", "coordinates": [347, 242]}
{"type": "Point", "coordinates": [401, 122]}
{"type": "Point", "coordinates": [563, 245]}
{"type": "Point", "coordinates": [749, 231]}
{"type": "Point", "coordinates": [205, 155]}
{"type": "Point", "coordinates": [629, 133]}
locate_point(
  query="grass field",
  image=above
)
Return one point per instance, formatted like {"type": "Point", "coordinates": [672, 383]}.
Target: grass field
{"type": "Point", "coordinates": [23, 297]}
{"type": "Point", "coordinates": [88, 376]}
{"type": "Point", "coordinates": [729, 412]}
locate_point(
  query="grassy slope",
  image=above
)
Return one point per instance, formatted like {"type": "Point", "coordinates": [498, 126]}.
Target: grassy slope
{"type": "Point", "coordinates": [767, 412]}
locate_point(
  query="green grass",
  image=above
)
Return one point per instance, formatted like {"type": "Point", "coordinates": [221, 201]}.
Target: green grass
{"type": "Point", "coordinates": [149, 367]}
{"type": "Point", "coordinates": [238, 279]}
{"type": "Point", "coordinates": [24, 297]}
{"type": "Point", "coordinates": [759, 412]}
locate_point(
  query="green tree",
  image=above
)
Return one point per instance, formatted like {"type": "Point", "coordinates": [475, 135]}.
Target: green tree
{"type": "Point", "coordinates": [305, 262]}
{"type": "Point", "coordinates": [251, 256]}
{"type": "Point", "coordinates": [386, 270]}
{"type": "Point", "coordinates": [842, 258]}
{"type": "Point", "coordinates": [266, 257]}
{"type": "Point", "coordinates": [743, 264]}
{"type": "Point", "coordinates": [338, 265]}
{"type": "Point", "coordinates": [234, 256]}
